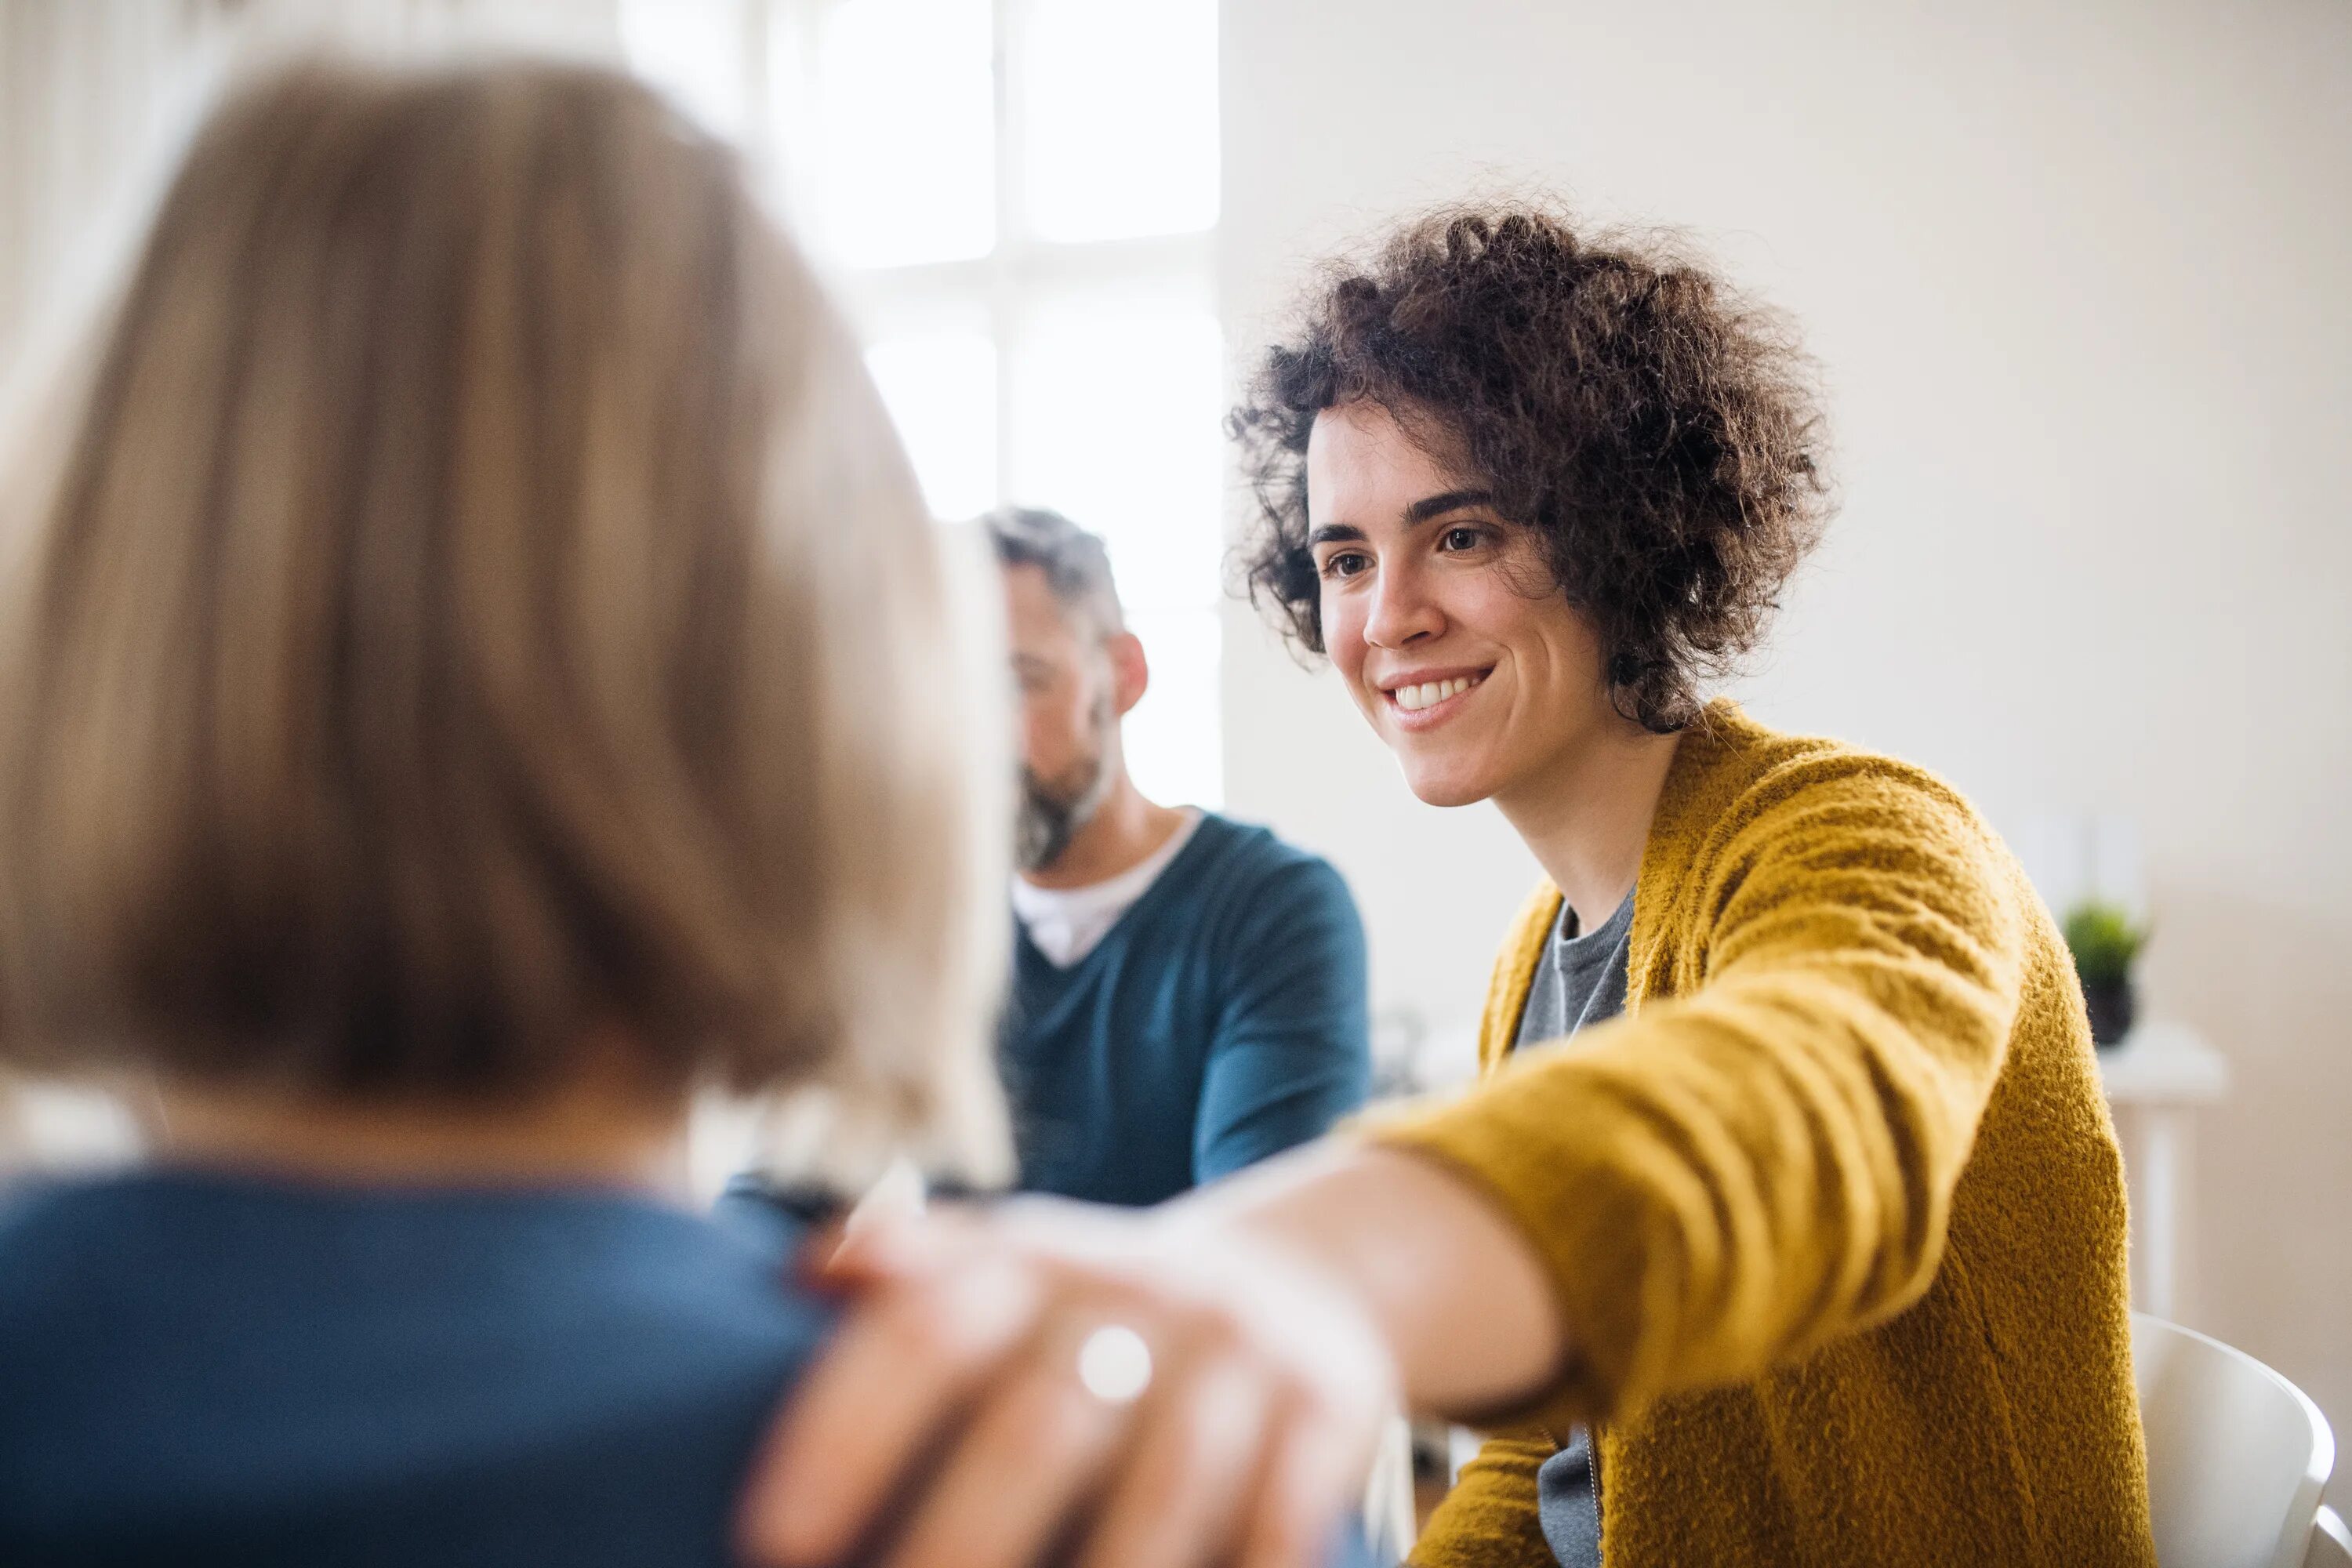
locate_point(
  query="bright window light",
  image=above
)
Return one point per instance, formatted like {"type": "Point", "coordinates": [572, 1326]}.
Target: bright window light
{"type": "Point", "coordinates": [690, 49]}
{"type": "Point", "coordinates": [1174, 742]}
{"type": "Point", "coordinates": [1016, 364]}
{"type": "Point", "coordinates": [940, 389]}
{"type": "Point", "coordinates": [905, 127]}
{"type": "Point", "coordinates": [1119, 117]}
{"type": "Point", "coordinates": [1115, 421]}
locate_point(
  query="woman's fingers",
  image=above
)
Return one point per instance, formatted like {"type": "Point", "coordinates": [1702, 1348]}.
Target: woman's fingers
{"type": "Point", "coordinates": [1188, 1470]}
{"type": "Point", "coordinates": [905, 1359]}
{"type": "Point", "coordinates": [895, 1249]}
{"type": "Point", "coordinates": [1038, 1444]}
{"type": "Point", "coordinates": [1260, 1399]}
{"type": "Point", "coordinates": [1315, 1463]}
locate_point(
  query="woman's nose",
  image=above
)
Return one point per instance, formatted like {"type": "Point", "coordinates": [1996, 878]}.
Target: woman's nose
{"type": "Point", "coordinates": [1401, 612]}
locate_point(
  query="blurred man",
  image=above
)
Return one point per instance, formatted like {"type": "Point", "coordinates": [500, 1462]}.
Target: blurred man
{"type": "Point", "coordinates": [1188, 991]}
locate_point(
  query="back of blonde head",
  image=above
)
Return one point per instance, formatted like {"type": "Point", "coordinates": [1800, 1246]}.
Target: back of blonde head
{"type": "Point", "coordinates": [478, 603]}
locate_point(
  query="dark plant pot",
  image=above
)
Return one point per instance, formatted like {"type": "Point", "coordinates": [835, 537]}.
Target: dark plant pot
{"type": "Point", "coordinates": [2113, 1006]}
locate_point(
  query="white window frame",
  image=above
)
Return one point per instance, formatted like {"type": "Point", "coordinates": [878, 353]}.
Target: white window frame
{"type": "Point", "coordinates": [994, 293]}
{"type": "Point", "coordinates": [997, 295]}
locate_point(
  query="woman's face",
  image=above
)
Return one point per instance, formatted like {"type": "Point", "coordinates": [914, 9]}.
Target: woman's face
{"type": "Point", "coordinates": [1442, 619]}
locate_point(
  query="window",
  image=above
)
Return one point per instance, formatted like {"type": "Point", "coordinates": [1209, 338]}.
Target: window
{"type": "Point", "coordinates": [1016, 200]}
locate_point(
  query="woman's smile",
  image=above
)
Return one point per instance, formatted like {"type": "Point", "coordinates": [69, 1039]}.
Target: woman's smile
{"type": "Point", "coordinates": [1419, 701]}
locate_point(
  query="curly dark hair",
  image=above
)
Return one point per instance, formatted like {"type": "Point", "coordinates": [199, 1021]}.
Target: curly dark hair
{"type": "Point", "coordinates": [1661, 435]}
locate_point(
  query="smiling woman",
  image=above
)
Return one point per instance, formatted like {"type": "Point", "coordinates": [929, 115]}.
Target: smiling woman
{"type": "Point", "coordinates": [1658, 435]}
{"type": "Point", "coordinates": [1745, 1246]}
{"type": "Point", "coordinates": [1530, 490]}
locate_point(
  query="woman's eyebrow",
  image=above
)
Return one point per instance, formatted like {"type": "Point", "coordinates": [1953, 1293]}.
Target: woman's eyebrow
{"type": "Point", "coordinates": [1332, 533]}
{"type": "Point", "coordinates": [1440, 504]}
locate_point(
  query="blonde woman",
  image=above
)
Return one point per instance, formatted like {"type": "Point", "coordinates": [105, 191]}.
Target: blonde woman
{"type": "Point", "coordinates": [475, 675]}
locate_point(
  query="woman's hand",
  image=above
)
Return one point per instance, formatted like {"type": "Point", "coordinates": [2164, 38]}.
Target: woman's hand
{"type": "Point", "coordinates": [1268, 1383]}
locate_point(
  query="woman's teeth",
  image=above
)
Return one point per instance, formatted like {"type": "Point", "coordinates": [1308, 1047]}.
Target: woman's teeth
{"type": "Point", "coordinates": [1428, 693]}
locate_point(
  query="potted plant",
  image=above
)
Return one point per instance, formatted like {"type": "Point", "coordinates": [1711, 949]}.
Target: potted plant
{"type": "Point", "coordinates": [2104, 942]}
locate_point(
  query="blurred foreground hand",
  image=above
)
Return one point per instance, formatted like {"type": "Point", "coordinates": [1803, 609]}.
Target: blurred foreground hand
{"type": "Point", "coordinates": [1051, 1382]}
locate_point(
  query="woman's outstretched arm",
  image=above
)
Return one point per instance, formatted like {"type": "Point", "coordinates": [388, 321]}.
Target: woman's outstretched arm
{"type": "Point", "coordinates": [1736, 1175]}
{"type": "Point", "coordinates": [1716, 1184]}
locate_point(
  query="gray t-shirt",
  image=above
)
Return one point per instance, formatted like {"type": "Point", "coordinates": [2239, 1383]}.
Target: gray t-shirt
{"type": "Point", "coordinates": [1579, 982]}
{"type": "Point", "coordinates": [1580, 979]}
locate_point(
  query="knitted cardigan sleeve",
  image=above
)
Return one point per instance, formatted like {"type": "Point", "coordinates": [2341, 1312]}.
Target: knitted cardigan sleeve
{"type": "Point", "coordinates": [1762, 1158]}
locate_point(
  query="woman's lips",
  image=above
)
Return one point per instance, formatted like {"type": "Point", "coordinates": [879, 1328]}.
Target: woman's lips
{"type": "Point", "coordinates": [1422, 705]}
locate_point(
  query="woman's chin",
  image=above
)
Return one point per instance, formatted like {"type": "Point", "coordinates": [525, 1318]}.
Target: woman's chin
{"type": "Point", "coordinates": [1446, 786]}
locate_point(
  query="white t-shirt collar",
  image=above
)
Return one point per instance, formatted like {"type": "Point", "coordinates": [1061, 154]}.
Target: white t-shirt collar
{"type": "Point", "coordinates": [1068, 923]}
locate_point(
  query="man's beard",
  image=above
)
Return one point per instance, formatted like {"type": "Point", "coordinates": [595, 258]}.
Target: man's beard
{"type": "Point", "coordinates": [1053, 810]}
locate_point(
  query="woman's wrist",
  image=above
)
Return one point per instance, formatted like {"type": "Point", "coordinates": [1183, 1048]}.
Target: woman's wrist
{"type": "Point", "coordinates": [1458, 1292]}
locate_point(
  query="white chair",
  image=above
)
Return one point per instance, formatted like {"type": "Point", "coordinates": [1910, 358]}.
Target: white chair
{"type": "Point", "coordinates": [2331, 1544]}
{"type": "Point", "coordinates": [2236, 1454]}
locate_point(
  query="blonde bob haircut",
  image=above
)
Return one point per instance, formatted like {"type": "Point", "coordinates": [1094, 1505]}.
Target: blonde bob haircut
{"type": "Point", "coordinates": [469, 601]}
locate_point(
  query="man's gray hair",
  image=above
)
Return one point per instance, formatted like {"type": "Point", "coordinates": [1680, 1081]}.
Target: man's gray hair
{"type": "Point", "coordinates": [1076, 563]}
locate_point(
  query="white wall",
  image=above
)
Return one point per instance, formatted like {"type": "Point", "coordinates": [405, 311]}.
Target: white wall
{"type": "Point", "coordinates": [2077, 276]}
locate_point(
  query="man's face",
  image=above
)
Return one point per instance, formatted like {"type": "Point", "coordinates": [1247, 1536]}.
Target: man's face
{"type": "Point", "coordinates": [1068, 715]}
{"type": "Point", "coordinates": [1442, 618]}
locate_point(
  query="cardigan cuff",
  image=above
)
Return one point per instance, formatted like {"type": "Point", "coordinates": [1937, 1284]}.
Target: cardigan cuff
{"type": "Point", "coordinates": [1577, 1216]}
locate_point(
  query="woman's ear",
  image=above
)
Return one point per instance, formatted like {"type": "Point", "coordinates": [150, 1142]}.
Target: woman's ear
{"type": "Point", "coordinates": [1130, 672]}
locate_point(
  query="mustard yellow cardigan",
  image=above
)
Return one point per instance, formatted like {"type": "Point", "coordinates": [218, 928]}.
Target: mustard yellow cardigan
{"type": "Point", "coordinates": [1835, 1214]}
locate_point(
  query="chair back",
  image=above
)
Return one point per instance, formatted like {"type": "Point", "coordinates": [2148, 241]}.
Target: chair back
{"type": "Point", "coordinates": [2236, 1454]}
{"type": "Point", "coordinates": [2331, 1544]}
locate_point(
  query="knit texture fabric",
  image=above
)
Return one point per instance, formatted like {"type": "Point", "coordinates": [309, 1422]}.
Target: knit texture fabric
{"type": "Point", "coordinates": [1835, 1214]}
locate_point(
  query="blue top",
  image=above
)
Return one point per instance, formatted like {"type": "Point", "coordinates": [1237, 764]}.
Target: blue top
{"type": "Point", "coordinates": [199, 1369]}
{"type": "Point", "coordinates": [1220, 1021]}
{"type": "Point", "coordinates": [203, 1371]}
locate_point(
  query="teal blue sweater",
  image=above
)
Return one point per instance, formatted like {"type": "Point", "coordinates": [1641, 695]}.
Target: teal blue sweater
{"type": "Point", "coordinates": [207, 1369]}
{"type": "Point", "coordinates": [213, 1372]}
{"type": "Point", "coordinates": [1220, 1021]}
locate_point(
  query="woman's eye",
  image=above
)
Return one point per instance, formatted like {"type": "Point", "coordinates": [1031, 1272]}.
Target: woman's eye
{"type": "Point", "coordinates": [1345, 563]}
{"type": "Point", "coordinates": [1461, 539]}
